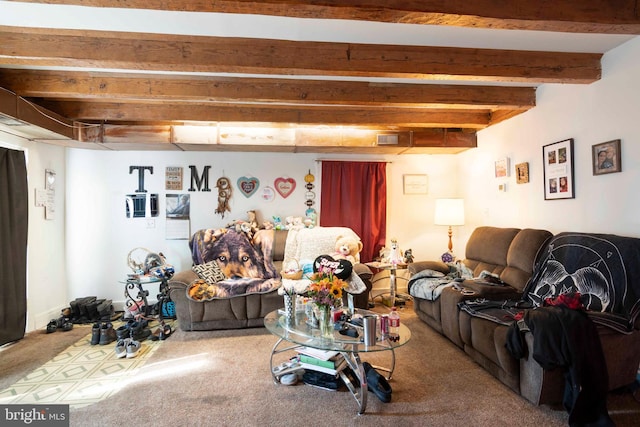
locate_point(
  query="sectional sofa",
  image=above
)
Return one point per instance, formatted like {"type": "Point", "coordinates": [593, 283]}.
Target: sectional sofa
{"type": "Point", "coordinates": [521, 266]}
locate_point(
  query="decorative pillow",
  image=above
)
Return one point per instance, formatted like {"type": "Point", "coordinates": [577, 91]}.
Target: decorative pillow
{"type": "Point", "coordinates": [200, 290]}
{"type": "Point", "coordinates": [209, 272]}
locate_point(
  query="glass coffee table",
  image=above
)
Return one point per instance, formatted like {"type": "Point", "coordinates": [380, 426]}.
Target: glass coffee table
{"type": "Point", "coordinates": [299, 333]}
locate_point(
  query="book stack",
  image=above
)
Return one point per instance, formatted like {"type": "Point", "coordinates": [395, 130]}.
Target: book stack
{"type": "Point", "coordinates": [329, 362]}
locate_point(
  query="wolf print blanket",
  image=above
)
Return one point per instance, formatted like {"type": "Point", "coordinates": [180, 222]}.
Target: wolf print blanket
{"type": "Point", "coordinates": [247, 264]}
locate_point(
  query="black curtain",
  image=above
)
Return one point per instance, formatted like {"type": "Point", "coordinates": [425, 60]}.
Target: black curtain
{"type": "Point", "coordinates": [14, 217]}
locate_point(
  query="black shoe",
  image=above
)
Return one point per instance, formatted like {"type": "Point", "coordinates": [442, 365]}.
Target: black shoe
{"type": "Point", "coordinates": [52, 326]}
{"type": "Point", "coordinates": [139, 331]}
{"type": "Point", "coordinates": [95, 333]}
{"type": "Point", "coordinates": [377, 383]}
{"type": "Point", "coordinates": [107, 334]}
{"type": "Point", "coordinates": [124, 331]}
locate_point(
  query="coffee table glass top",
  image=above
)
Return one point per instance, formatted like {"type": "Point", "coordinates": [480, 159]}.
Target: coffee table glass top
{"type": "Point", "coordinates": [303, 334]}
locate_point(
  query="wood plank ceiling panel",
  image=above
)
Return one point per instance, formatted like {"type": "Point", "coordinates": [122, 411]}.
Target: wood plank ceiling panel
{"type": "Point", "coordinates": [116, 85]}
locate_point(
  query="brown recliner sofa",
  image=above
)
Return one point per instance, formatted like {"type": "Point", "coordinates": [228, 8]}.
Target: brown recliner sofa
{"type": "Point", "coordinates": [511, 254]}
{"type": "Point", "coordinates": [244, 311]}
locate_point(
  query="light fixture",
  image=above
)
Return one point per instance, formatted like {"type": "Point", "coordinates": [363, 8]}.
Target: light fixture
{"type": "Point", "coordinates": [449, 212]}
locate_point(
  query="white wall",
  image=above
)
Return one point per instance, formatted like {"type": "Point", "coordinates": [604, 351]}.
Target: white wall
{"type": "Point", "coordinates": [99, 236]}
{"type": "Point", "coordinates": [599, 112]}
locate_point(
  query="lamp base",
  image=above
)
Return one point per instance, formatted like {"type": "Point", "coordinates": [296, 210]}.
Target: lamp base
{"type": "Point", "coordinates": [448, 257]}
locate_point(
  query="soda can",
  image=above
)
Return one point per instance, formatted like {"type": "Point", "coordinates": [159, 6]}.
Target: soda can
{"type": "Point", "coordinates": [384, 326]}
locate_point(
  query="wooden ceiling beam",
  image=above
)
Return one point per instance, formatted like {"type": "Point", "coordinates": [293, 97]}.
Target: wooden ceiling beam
{"type": "Point", "coordinates": [177, 53]}
{"type": "Point", "coordinates": [581, 16]}
{"type": "Point", "coordinates": [353, 116]}
{"type": "Point", "coordinates": [136, 87]}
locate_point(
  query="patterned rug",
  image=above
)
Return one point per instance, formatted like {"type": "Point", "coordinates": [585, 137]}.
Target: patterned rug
{"type": "Point", "coordinates": [80, 375]}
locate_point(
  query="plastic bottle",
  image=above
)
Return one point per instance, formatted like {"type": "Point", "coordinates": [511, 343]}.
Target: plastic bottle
{"type": "Point", "coordinates": [394, 325]}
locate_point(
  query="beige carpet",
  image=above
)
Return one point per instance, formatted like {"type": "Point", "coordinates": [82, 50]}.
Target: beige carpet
{"type": "Point", "coordinates": [222, 378]}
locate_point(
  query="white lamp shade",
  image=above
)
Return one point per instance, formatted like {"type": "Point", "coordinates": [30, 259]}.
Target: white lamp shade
{"type": "Point", "coordinates": [449, 212]}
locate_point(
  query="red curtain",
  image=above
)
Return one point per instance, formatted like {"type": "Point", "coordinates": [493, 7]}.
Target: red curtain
{"type": "Point", "coordinates": [354, 195]}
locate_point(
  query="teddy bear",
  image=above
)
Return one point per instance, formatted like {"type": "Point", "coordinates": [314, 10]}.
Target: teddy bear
{"type": "Point", "coordinates": [348, 247]}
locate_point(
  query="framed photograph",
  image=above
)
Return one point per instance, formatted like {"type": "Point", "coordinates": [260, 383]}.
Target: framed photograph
{"type": "Point", "coordinates": [415, 184]}
{"type": "Point", "coordinates": [606, 157]}
{"type": "Point", "coordinates": [502, 167]}
{"type": "Point", "coordinates": [522, 173]}
{"type": "Point", "coordinates": [557, 159]}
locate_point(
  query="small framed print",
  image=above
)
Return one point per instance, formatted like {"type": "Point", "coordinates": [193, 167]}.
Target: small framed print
{"type": "Point", "coordinates": [502, 167]}
{"type": "Point", "coordinates": [522, 173]}
{"type": "Point", "coordinates": [558, 170]}
{"type": "Point", "coordinates": [415, 184]}
{"type": "Point", "coordinates": [606, 157]}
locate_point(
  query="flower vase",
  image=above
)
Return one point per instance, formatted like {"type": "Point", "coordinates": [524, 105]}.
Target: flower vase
{"type": "Point", "coordinates": [290, 308]}
{"type": "Point", "coordinates": [324, 321]}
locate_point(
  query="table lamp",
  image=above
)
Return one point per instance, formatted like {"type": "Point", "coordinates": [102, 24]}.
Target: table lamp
{"type": "Point", "coordinates": [449, 212]}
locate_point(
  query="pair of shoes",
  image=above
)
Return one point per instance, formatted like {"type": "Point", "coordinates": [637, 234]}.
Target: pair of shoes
{"type": "Point", "coordinates": [127, 348]}
{"type": "Point", "coordinates": [62, 323]}
{"type": "Point", "coordinates": [162, 333]}
{"type": "Point", "coordinates": [139, 330]}
{"type": "Point", "coordinates": [102, 333]}
{"type": "Point", "coordinates": [377, 383]}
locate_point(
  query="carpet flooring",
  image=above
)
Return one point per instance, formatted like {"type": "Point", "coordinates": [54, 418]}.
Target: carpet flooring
{"type": "Point", "coordinates": [222, 378]}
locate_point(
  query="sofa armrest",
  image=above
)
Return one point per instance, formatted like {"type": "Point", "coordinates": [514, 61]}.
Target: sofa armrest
{"type": "Point", "coordinates": [416, 267]}
{"type": "Point", "coordinates": [185, 277]}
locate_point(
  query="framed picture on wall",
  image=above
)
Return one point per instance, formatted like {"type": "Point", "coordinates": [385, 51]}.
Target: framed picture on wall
{"type": "Point", "coordinates": [415, 184]}
{"type": "Point", "coordinates": [606, 157]}
{"type": "Point", "coordinates": [522, 173]}
{"type": "Point", "coordinates": [502, 167]}
{"type": "Point", "coordinates": [557, 159]}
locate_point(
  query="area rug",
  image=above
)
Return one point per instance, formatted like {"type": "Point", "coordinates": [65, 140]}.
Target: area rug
{"type": "Point", "coordinates": [80, 375]}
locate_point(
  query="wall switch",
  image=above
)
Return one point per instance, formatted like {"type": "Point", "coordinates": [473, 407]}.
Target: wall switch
{"type": "Point", "coordinates": [151, 223]}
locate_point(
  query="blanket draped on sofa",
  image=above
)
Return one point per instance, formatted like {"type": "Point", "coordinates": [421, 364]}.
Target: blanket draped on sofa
{"type": "Point", "coordinates": [247, 262]}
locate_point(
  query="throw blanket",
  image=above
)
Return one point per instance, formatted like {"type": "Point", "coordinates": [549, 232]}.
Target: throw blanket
{"type": "Point", "coordinates": [246, 264]}
{"type": "Point", "coordinates": [603, 268]}
{"type": "Point", "coordinates": [306, 244]}
{"type": "Point", "coordinates": [428, 284]}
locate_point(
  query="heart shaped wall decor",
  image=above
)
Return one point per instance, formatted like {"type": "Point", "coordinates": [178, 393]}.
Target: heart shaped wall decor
{"type": "Point", "coordinates": [285, 186]}
{"type": "Point", "coordinates": [248, 185]}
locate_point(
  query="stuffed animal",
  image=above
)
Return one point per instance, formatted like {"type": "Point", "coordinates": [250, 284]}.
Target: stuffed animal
{"type": "Point", "coordinates": [348, 247]}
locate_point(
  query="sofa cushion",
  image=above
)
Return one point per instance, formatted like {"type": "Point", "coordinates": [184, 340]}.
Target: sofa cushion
{"type": "Point", "coordinates": [210, 272]}
{"type": "Point", "coordinates": [521, 256]}
{"type": "Point", "coordinates": [487, 249]}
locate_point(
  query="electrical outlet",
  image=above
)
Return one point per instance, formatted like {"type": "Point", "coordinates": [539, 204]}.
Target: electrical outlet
{"type": "Point", "coordinates": [151, 223]}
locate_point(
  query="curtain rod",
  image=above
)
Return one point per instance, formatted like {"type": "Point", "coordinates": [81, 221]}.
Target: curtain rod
{"type": "Point", "coordinates": [354, 160]}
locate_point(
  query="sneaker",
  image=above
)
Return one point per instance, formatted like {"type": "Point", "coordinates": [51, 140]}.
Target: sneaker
{"type": "Point", "coordinates": [133, 347]}
{"type": "Point", "coordinates": [107, 334]}
{"type": "Point", "coordinates": [95, 333]}
{"type": "Point", "coordinates": [121, 347]}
